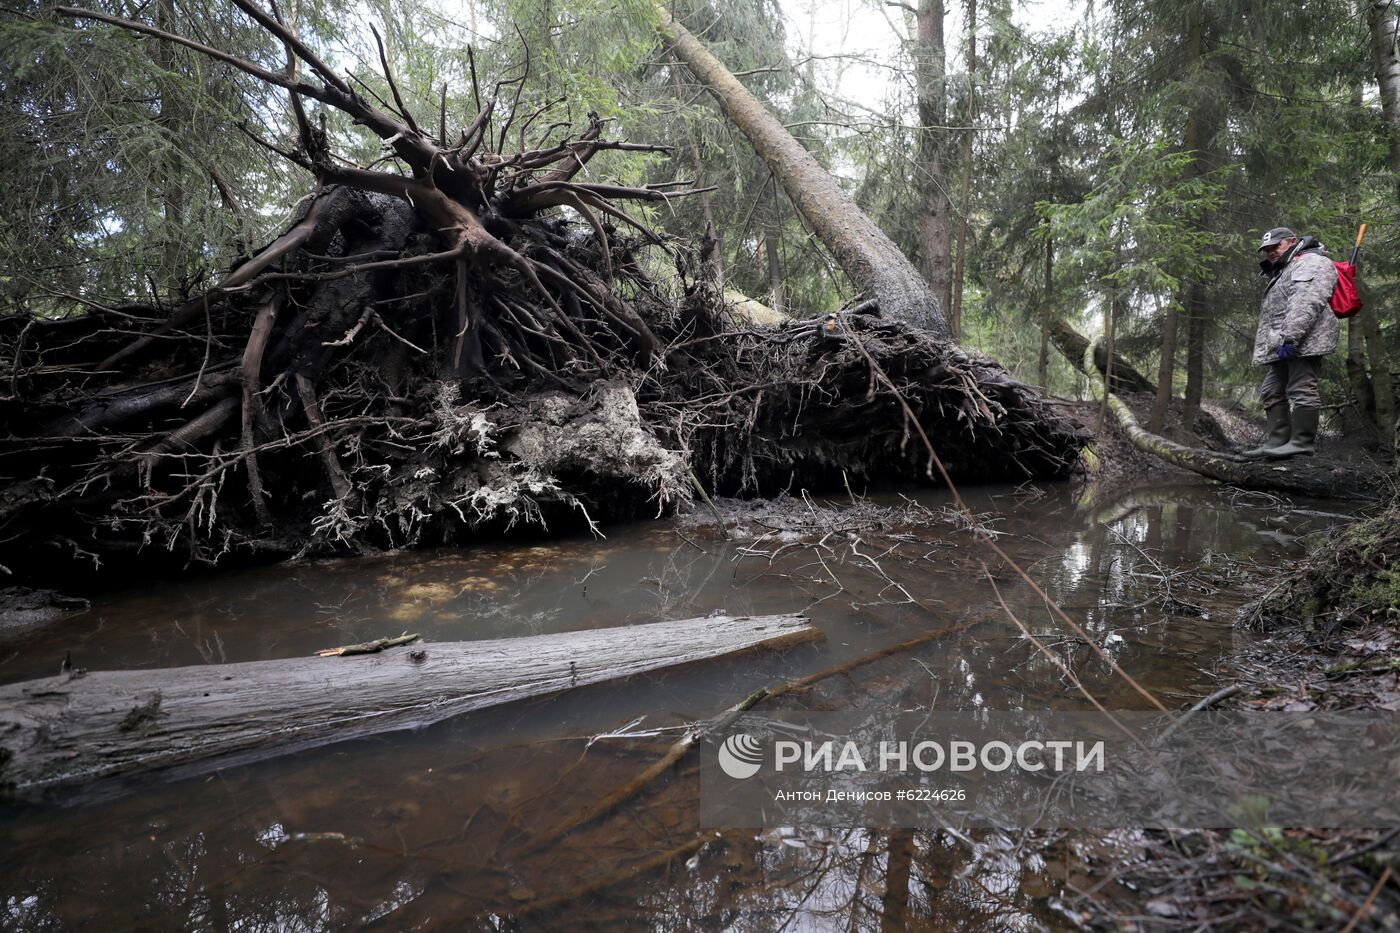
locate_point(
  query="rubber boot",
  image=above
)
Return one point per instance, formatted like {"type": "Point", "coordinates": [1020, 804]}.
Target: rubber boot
{"type": "Point", "coordinates": [1304, 435]}
{"type": "Point", "coordinates": [1279, 429]}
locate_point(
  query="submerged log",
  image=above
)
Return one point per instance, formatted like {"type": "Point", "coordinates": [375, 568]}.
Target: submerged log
{"type": "Point", "coordinates": [72, 729]}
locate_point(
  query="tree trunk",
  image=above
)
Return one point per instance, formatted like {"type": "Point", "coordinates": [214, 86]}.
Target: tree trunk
{"type": "Point", "coordinates": [712, 250]}
{"type": "Point", "coordinates": [1196, 321]}
{"type": "Point", "coordinates": [1042, 367]}
{"type": "Point", "coordinates": [1382, 20]}
{"type": "Point", "coordinates": [171, 182]}
{"type": "Point", "coordinates": [899, 861]}
{"type": "Point", "coordinates": [775, 268]}
{"type": "Point", "coordinates": [1072, 344]}
{"type": "Point", "coordinates": [1110, 330]}
{"type": "Point", "coordinates": [1381, 17]}
{"type": "Point", "coordinates": [965, 197]}
{"type": "Point", "coordinates": [931, 182]}
{"type": "Point", "coordinates": [73, 729]}
{"type": "Point", "coordinates": [1199, 136]}
{"type": "Point", "coordinates": [1381, 385]}
{"type": "Point", "coordinates": [868, 257]}
{"type": "Point", "coordinates": [1357, 378]}
{"type": "Point", "coordinates": [1166, 370]}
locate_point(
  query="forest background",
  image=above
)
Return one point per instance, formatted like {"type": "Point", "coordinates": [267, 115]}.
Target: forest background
{"type": "Point", "coordinates": [1108, 164]}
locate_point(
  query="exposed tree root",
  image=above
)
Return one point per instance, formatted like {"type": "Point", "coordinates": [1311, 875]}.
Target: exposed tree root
{"type": "Point", "coordinates": [465, 340]}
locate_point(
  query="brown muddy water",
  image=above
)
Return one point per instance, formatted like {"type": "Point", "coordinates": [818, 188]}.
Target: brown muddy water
{"type": "Point", "coordinates": [428, 829]}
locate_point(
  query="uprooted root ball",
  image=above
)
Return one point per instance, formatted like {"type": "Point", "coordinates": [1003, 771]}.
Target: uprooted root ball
{"type": "Point", "coordinates": [463, 341]}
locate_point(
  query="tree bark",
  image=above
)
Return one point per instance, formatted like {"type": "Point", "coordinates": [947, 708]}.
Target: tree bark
{"type": "Point", "coordinates": [74, 729]}
{"type": "Point", "coordinates": [965, 198]}
{"type": "Point", "coordinates": [1110, 330]}
{"type": "Point", "coordinates": [1047, 311]}
{"type": "Point", "coordinates": [775, 268]}
{"type": "Point", "coordinates": [868, 257]}
{"type": "Point", "coordinates": [1381, 385]}
{"type": "Point", "coordinates": [1196, 321]}
{"type": "Point", "coordinates": [1357, 378]}
{"type": "Point", "coordinates": [1381, 18]}
{"type": "Point", "coordinates": [713, 249]}
{"type": "Point", "coordinates": [171, 182]}
{"type": "Point", "coordinates": [899, 862]}
{"type": "Point", "coordinates": [931, 182]}
{"type": "Point", "coordinates": [1042, 364]}
{"type": "Point", "coordinates": [1200, 132]}
{"type": "Point", "coordinates": [1072, 344]}
{"type": "Point", "coordinates": [1166, 370]}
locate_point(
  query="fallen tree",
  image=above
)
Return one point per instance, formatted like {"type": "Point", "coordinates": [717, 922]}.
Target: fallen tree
{"type": "Point", "coordinates": [459, 339]}
{"type": "Point", "coordinates": [77, 727]}
{"type": "Point", "coordinates": [1073, 345]}
{"type": "Point", "coordinates": [868, 257]}
{"type": "Point", "coordinates": [1308, 476]}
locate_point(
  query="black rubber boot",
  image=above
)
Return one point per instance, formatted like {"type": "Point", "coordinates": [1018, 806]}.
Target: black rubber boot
{"type": "Point", "coordinates": [1279, 429]}
{"type": "Point", "coordinates": [1304, 435]}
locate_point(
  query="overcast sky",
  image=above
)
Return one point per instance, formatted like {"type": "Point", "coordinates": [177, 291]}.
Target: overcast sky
{"type": "Point", "coordinates": [873, 30]}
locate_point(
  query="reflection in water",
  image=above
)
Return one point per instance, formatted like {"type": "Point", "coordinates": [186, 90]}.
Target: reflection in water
{"type": "Point", "coordinates": [429, 829]}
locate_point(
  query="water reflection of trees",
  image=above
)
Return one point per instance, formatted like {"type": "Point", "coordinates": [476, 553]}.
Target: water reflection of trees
{"type": "Point", "coordinates": [404, 833]}
{"type": "Point", "coordinates": [856, 880]}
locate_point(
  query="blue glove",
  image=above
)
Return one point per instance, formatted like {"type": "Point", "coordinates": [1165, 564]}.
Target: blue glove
{"type": "Point", "coordinates": [1287, 350]}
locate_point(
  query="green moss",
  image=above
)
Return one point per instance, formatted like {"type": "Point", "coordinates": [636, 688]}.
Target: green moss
{"type": "Point", "coordinates": [1366, 566]}
{"type": "Point", "coordinates": [1354, 574]}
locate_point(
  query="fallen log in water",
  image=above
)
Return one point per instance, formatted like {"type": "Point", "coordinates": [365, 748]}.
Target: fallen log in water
{"type": "Point", "coordinates": [72, 729]}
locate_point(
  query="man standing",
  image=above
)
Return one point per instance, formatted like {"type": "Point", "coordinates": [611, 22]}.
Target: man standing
{"type": "Point", "coordinates": [1296, 329]}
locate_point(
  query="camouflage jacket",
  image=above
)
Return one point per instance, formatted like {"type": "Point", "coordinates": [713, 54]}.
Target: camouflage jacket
{"type": "Point", "coordinates": [1296, 309]}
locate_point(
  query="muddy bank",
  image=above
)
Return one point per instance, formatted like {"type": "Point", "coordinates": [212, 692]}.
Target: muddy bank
{"type": "Point", "coordinates": [1332, 626]}
{"type": "Point", "coordinates": [23, 608]}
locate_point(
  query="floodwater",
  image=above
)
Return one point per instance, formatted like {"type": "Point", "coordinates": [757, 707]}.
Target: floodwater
{"type": "Point", "coordinates": [432, 829]}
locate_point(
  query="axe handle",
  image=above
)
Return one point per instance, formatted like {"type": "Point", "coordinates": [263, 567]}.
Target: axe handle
{"type": "Point", "coordinates": [1360, 235]}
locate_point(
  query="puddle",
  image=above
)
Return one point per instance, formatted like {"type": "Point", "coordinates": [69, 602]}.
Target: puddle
{"type": "Point", "coordinates": [428, 828]}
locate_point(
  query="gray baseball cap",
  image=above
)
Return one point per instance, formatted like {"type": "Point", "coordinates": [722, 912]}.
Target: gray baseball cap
{"type": "Point", "coordinates": [1275, 236]}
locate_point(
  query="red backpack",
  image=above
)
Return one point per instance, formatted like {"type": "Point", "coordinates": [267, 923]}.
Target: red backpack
{"type": "Point", "coordinates": [1346, 300]}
